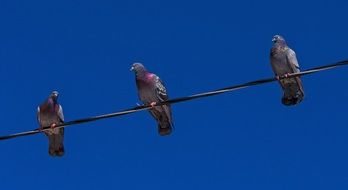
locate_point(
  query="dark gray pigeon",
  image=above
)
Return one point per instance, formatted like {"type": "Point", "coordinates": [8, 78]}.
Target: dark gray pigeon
{"type": "Point", "coordinates": [50, 113]}
{"type": "Point", "coordinates": [284, 62]}
{"type": "Point", "coordinates": [151, 90]}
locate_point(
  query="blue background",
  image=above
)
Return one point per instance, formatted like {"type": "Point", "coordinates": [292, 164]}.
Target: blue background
{"type": "Point", "coordinates": [241, 140]}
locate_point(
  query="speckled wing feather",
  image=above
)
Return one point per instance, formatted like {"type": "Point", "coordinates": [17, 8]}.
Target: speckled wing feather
{"type": "Point", "coordinates": [163, 114]}
{"type": "Point", "coordinates": [161, 91]}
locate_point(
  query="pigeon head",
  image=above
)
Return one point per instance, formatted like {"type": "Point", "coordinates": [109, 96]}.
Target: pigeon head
{"type": "Point", "coordinates": [278, 39]}
{"type": "Point", "coordinates": [54, 96]}
{"type": "Point", "coordinates": [138, 68]}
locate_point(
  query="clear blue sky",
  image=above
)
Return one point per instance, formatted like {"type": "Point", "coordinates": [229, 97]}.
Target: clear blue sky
{"type": "Point", "coordinates": [242, 140]}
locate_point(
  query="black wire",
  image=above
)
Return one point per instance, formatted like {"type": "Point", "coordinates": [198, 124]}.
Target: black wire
{"type": "Point", "coordinates": [178, 100]}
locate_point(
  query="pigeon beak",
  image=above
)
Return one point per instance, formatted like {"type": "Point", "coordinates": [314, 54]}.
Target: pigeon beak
{"type": "Point", "coordinates": [132, 69]}
{"type": "Point", "coordinates": [55, 93]}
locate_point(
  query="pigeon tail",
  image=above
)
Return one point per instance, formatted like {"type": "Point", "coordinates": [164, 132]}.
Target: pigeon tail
{"type": "Point", "coordinates": [289, 100]}
{"type": "Point", "coordinates": [293, 91]}
{"type": "Point", "coordinates": [164, 128]}
{"type": "Point", "coordinates": [56, 146]}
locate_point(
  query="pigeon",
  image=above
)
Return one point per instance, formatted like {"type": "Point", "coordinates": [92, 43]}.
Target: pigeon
{"type": "Point", "coordinates": [284, 62]}
{"type": "Point", "coordinates": [151, 90]}
{"type": "Point", "coordinates": [50, 113]}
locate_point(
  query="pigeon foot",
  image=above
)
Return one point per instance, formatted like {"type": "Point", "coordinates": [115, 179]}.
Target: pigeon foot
{"type": "Point", "coordinates": [153, 104]}
{"type": "Point", "coordinates": [53, 125]}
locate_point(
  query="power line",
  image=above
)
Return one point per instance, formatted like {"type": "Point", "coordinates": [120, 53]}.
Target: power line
{"type": "Point", "coordinates": [178, 100]}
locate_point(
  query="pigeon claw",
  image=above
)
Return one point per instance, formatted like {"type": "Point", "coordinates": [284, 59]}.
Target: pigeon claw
{"type": "Point", "coordinates": [53, 125]}
{"type": "Point", "coordinates": [286, 75]}
{"type": "Point", "coordinates": [153, 104]}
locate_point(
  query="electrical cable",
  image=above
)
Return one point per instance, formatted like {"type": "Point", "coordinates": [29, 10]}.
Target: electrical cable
{"type": "Point", "coordinates": [178, 100]}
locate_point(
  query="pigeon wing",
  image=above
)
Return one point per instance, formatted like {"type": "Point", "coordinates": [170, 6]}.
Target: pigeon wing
{"type": "Point", "coordinates": [161, 91]}
{"type": "Point", "coordinates": [295, 67]}
{"type": "Point", "coordinates": [162, 95]}
{"type": "Point", "coordinates": [60, 114]}
{"type": "Point", "coordinates": [292, 61]}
